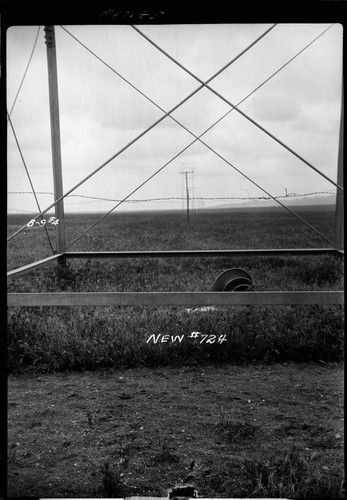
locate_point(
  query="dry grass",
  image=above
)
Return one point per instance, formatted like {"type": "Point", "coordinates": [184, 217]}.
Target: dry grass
{"type": "Point", "coordinates": [46, 339]}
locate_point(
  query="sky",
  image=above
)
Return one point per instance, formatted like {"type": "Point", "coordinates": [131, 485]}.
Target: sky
{"type": "Point", "coordinates": [100, 113]}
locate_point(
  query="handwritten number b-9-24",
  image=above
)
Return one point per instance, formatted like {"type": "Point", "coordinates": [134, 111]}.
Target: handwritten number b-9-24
{"type": "Point", "coordinates": [52, 220]}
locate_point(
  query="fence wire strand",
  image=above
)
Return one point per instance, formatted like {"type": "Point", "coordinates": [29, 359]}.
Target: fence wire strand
{"type": "Point", "coordinates": [180, 198]}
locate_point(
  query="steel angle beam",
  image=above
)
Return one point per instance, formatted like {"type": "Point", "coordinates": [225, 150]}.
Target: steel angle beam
{"type": "Point", "coordinates": [201, 253]}
{"type": "Point", "coordinates": [175, 298]}
{"type": "Point", "coordinates": [34, 265]}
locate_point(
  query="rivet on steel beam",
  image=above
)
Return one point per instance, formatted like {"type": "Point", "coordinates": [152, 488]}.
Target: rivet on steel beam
{"type": "Point", "coordinates": [49, 36]}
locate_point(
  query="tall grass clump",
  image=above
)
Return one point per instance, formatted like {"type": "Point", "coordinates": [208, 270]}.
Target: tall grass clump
{"type": "Point", "coordinates": [292, 475]}
{"type": "Point", "coordinates": [289, 473]}
{"type": "Point", "coordinates": [84, 338]}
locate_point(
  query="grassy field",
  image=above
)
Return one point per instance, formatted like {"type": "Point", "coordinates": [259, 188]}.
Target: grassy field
{"type": "Point", "coordinates": [44, 339]}
{"type": "Point", "coordinates": [255, 413]}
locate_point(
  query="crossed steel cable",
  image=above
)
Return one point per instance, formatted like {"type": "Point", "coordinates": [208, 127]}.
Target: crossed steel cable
{"type": "Point", "coordinates": [236, 108]}
{"type": "Point", "coordinates": [24, 75]}
{"type": "Point", "coordinates": [137, 137]}
{"type": "Point", "coordinates": [29, 178]}
{"type": "Point", "coordinates": [15, 136]}
{"type": "Point", "coordinates": [196, 137]}
{"type": "Point", "coordinates": [199, 138]}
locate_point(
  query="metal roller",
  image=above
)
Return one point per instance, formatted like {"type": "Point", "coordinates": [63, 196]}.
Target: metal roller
{"type": "Point", "coordinates": [235, 279]}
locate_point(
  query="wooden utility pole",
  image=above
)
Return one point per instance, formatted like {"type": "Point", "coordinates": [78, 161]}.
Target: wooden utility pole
{"type": "Point", "coordinates": [55, 138]}
{"type": "Point", "coordinates": [187, 195]}
{"type": "Point", "coordinates": [339, 213]}
{"type": "Point", "coordinates": [186, 172]}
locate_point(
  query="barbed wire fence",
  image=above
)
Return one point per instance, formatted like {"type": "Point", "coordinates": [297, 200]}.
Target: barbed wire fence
{"type": "Point", "coordinates": [174, 199]}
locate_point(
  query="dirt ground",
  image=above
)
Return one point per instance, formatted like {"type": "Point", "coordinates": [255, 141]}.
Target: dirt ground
{"type": "Point", "coordinates": [155, 427]}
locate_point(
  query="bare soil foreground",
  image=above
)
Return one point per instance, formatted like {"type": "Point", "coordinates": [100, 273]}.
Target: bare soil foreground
{"type": "Point", "coordinates": [225, 429]}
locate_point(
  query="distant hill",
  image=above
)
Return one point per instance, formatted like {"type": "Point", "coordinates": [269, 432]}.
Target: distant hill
{"type": "Point", "coordinates": [288, 201]}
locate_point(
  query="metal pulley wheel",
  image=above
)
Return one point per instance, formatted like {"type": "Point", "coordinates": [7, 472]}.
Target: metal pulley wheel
{"type": "Point", "coordinates": [233, 280]}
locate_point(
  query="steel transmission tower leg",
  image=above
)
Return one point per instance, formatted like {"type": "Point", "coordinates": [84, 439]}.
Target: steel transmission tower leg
{"type": "Point", "coordinates": [55, 139]}
{"type": "Point", "coordinates": [339, 214]}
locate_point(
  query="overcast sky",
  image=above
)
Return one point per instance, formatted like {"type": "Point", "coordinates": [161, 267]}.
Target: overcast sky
{"type": "Point", "coordinates": [100, 113]}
